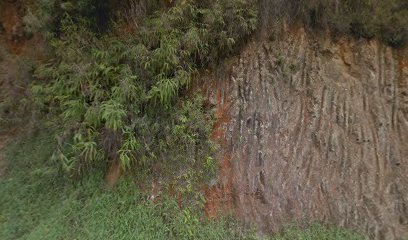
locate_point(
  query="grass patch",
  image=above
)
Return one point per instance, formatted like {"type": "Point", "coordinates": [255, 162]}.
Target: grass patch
{"type": "Point", "coordinates": [36, 202]}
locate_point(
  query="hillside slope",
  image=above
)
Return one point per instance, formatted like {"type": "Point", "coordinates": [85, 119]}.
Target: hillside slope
{"type": "Point", "coordinates": [316, 130]}
{"type": "Point", "coordinates": [310, 129]}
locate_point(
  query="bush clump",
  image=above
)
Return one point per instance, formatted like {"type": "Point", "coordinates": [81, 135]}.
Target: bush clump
{"type": "Point", "coordinates": [121, 98]}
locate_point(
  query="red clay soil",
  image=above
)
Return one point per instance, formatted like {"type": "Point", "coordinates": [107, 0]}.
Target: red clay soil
{"type": "Point", "coordinates": [315, 130]}
{"type": "Point", "coordinates": [219, 197]}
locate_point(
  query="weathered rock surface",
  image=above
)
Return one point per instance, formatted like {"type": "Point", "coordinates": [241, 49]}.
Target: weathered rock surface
{"type": "Point", "coordinates": [315, 130]}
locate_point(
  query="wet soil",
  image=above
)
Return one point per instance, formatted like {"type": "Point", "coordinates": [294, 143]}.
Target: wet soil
{"type": "Point", "coordinates": [314, 130]}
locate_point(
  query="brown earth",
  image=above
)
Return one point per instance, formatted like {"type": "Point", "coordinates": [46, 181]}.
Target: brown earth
{"type": "Point", "coordinates": [315, 130]}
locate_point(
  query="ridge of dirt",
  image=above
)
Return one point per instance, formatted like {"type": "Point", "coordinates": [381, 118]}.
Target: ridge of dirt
{"type": "Point", "coordinates": [316, 130]}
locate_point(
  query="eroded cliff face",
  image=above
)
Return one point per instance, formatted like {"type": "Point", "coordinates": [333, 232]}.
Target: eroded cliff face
{"type": "Point", "coordinates": [313, 129]}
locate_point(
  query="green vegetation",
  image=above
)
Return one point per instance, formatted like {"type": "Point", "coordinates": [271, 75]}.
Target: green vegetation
{"type": "Point", "coordinates": [122, 97]}
{"type": "Point", "coordinates": [125, 96]}
{"type": "Point", "coordinates": [386, 20]}
{"type": "Point", "coordinates": [37, 202]}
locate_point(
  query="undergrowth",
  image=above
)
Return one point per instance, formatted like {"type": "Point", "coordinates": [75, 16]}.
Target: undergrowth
{"type": "Point", "coordinates": [37, 202]}
{"type": "Point", "coordinates": [124, 98]}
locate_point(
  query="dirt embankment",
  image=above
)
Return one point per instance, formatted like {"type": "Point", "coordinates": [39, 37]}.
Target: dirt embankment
{"type": "Point", "coordinates": [313, 129]}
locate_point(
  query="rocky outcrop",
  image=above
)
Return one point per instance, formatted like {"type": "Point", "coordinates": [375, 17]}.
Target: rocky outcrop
{"type": "Point", "coordinates": [315, 130]}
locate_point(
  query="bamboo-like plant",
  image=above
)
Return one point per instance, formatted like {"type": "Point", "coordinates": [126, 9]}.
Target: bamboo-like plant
{"type": "Point", "coordinates": [133, 87]}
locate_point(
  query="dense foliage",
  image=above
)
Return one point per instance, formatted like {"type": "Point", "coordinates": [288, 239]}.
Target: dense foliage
{"type": "Point", "coordinates": [386, 20]}
{"type": "Point", "coordinates": [112, 92]}
{"type": "Point", "coordinates": [121, 97]}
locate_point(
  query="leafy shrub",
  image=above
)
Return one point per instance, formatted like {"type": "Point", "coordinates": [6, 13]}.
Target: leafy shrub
{"type": "Point", "coordinates": [121, 99]}
{"type": "Point", "coordinates": [46, 15]}
{"type": "Point", "coordinates": [40, 16]}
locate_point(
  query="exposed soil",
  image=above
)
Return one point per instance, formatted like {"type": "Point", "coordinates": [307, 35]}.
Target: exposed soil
{"type": "Point", "coordinates": [315, 130]}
